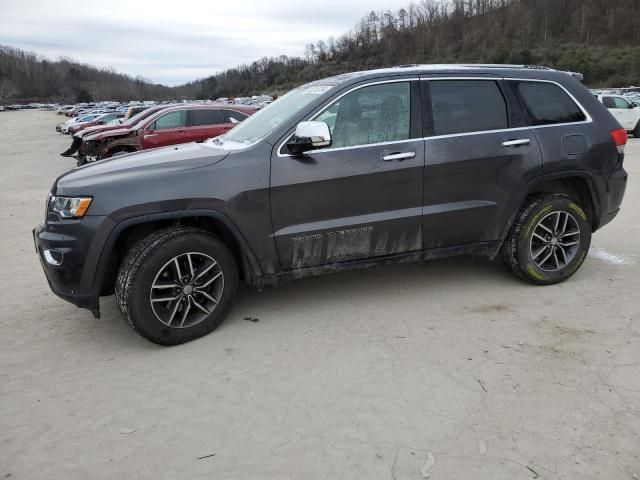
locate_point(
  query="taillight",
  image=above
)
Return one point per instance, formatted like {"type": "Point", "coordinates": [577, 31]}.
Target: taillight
{"type": "Point", "coordinates": [620, 137]}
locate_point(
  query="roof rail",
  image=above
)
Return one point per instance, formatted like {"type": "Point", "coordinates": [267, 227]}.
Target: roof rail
{"type": "Point", "coordinates": [500, 66]}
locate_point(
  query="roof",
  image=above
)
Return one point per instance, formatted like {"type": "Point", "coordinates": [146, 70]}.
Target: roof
{"type": "Point", "coordinates": [418, 69]}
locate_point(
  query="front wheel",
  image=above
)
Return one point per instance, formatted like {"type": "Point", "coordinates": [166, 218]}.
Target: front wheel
{"type": "Point", "coordinates": [549, 240]}
{"type": "Point", "coordinates": [176, 285]}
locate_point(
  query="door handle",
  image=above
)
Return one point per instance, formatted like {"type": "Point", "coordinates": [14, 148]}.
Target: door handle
{"type": "Point", "coordinates": [516, 143]}
{"type": "Point", "coordinates": [399, 156]}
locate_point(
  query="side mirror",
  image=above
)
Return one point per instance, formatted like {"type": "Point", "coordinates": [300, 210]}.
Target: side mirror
{"type": "Point", "coordinates": [309, 136]}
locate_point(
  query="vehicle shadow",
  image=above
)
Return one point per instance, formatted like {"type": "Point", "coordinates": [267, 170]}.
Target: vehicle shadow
{"type": "Point", "coordinates": [397, 284]}
{"type": "Point", "coordinates": [394, 282]}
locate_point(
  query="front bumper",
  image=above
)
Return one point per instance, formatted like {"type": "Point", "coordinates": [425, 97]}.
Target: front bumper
{"type": "Point", "coordinates": [66, 253]}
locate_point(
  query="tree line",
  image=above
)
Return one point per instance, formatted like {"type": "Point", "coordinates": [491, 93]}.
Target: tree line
{"type": "Point", "coordinates": [598, 38]}
{"type": "Point", "coordinates": [28, 77]}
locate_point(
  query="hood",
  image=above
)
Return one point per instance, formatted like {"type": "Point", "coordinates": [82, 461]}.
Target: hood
{"type": "Point", "coordinates": [88, 179]}
{"type": "Point", "coordinates": [115, 132]}
{"type": "Point", "coordinates": [98, 128]}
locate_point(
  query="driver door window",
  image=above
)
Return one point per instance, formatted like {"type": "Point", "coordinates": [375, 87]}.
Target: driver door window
{"type": "Point", "coordinates": [375, 114]}
{"type": "Point", "coordinates": [177, 119]}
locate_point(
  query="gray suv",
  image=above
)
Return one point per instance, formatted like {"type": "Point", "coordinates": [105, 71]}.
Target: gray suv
{"type": "Point", "coordinates": [358, 170]}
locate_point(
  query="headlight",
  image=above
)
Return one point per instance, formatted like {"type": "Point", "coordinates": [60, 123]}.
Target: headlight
{"type": "Point", "coordinates": [69, 207]}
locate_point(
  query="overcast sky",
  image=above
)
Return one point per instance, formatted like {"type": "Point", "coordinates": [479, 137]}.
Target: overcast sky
{"type": "Point", "coordinates": [174, 42]}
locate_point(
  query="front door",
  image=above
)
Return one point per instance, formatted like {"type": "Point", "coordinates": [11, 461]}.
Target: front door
{"type": "Point", "coordinates": [360, 198]}
{"type": "Point", "coordinates": [168, 129]}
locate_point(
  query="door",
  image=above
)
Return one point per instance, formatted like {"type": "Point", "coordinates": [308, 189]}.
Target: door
{"type": "Point", "coordinates": [475, 164]}
{"type": "Point", "coordinates": [205, 123]}
{"type": "Point", "coordinates": [361, 197]}
{"type": "Point", "coordinates": [168, 129]}
{"type": "Point", "coordinates": [624, 112]}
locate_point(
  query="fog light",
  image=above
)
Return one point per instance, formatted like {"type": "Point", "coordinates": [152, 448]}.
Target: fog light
{"type": "Point", "coordinates": [53, 257]}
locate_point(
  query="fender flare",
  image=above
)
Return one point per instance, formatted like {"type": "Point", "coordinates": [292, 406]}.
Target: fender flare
{"type": "Point", "coordinates": [585, 175]}
{"type": "Point", "coordinates": [252, 264]}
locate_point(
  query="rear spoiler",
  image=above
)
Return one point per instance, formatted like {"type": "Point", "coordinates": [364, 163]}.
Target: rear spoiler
{"type": "Point", "coordinates": [578, 76]}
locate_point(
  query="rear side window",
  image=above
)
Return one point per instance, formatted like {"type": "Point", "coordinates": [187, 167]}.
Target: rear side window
{"type": "Point", "coordinates": [548, 104]}
{"type": "Point", "coordinates": [465, 106]}
{"type": "Point", "coordinates": [203, 117]}
{"type": "Point", "coordinates": [175, 119]}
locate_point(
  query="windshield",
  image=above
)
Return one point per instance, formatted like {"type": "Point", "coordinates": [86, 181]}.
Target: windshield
{"type": "Point", "coordinates": [265, 121]}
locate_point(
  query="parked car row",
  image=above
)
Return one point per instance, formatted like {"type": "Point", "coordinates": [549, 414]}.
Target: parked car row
{"type": "Point", "coordinates": [97, 137]}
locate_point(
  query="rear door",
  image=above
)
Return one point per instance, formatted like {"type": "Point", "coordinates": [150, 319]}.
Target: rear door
{"type": "Point", "coordinates": [360, 198]}
{"type": "Point", "coordinates": [168, 129]}
{"type": "Point", "coordinates": [205, 123]}
{"type": "Point", "coordinates": [478, 157]}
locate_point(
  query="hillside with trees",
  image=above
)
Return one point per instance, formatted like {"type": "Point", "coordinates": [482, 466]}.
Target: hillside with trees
{"type": "Point", "coordinates": [27, 77]}
{"type": "Point", "coordinates": [599, 38]}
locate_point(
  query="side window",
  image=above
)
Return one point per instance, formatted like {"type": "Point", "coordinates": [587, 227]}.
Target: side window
{"type": "Point", "coordinates": [548, 104]}
{"type": "Point", "coordinates": [621, 103]}
{"type": "Point", "coordinates": [234, 117]}
{"type": "Point", "coordinates": [202, 117]}
{"type": "Point", "coordinates": [465, 106]}
{"type": "Point", "coordinates": [609, 102]}
{"type": "Point", "coordinates": [175, 119]}
{"type": "Point", "coordinates": [374, 114]}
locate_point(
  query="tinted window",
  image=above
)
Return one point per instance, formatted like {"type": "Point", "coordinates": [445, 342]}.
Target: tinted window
{"type": "Point", "coordinates": [548, 104]}
{"type": "Point", "coordinates": [206, 117]}
{"type": "Point", "coordinates": [235, 117]}
{"type": "Point", "coordinates": [175, 119]}
{"type": "Point", "coordinates": [375, 114]}
{"type": "Point", "coordinates": [616, 102]}
{"type": "Point", "coordinates": [463, 106]}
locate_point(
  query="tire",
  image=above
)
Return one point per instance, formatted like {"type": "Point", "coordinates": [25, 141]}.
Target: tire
{"type": "Point", "coordinates": [151, 263]}
{"type": "Point", "coordinates": [525, 249]}
{"type": "Point", "coordinates": [636, 132]}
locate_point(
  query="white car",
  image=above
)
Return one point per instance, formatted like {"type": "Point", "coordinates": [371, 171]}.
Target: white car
{"type": "Point", "coordinates": [65, 126]}
{"type": "Point", "coordinates": [626, 112]}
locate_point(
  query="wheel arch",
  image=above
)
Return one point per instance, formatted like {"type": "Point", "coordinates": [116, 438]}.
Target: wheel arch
{"type": "Point", "coordinates": [579, 184]}
{"type": "Point", "coordinates": [126, 233]}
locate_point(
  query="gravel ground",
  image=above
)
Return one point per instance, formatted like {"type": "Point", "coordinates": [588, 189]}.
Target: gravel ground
{"type": "Point", "coordinates": [452, 369]}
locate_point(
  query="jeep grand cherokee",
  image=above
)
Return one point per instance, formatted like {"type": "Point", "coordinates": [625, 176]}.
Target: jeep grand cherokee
{"type": "Point", "coordinates": [362, 169]}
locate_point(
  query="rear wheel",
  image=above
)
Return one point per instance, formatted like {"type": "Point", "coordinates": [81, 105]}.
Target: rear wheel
{"type": "Point", "coordinates": [176, 285]}
{"type": "Point", "coordinates": [549, 240]}
{"type": "Point", "coordinates": [636, 132]}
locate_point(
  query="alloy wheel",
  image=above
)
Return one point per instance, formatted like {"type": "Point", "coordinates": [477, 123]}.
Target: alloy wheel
{"type": "Point", "coordinates": [186, 290]}
{"type": "Point", "coordinates": [555, 241]}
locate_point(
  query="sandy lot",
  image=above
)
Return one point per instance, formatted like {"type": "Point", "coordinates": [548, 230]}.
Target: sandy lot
{"type": "Point", "coordinates": [363, 375]}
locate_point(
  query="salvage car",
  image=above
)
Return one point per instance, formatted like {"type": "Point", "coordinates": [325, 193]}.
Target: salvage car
{"type": "Point", "coordinates": [121, 124]}
{"type": "Point", "coordinates": [418, 163]}
{"type": "Point", "coordinates": [65, 126]}
{"type": "Point", "coordinates": [172, 125]}
{"type": "Point", "coordinates": [100, 120]}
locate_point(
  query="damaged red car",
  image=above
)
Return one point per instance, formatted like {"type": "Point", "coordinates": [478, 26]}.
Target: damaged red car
{"type": "Point", "coordinates": [170, 126]}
